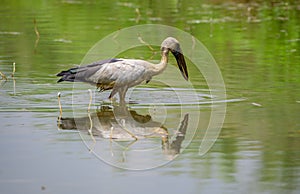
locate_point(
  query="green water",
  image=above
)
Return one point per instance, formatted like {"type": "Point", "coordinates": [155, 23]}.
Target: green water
{"type": "Point", "coordinates": [256, 45]}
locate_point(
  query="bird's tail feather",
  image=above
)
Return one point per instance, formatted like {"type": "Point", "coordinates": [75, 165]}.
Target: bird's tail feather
{"type": "Point", "coordinates": [68, 75]}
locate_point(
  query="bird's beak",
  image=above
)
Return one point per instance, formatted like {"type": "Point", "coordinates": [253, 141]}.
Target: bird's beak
{"type": "Point", "coordinates": [181, 64]}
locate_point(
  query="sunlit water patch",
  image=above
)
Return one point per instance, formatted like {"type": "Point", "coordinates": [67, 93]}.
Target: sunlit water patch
{"type": "Point", "coordinates": [26, 94]}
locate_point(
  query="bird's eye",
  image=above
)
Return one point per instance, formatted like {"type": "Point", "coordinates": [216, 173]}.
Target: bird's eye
{"type": "Point", "coordinates": [164, 48]}
{"type": "Point", "coordinates": [175, 53]}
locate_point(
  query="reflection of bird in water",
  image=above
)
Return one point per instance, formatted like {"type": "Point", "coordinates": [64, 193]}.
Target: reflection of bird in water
{"type": "Point", "coordinates": [118, 123]}
{"type": "Point", "coordinates": [173, 148]}
{"type": "Point", "coordinates": [110, 124]}
{"type": "Point", "coordinates": [121, 74]}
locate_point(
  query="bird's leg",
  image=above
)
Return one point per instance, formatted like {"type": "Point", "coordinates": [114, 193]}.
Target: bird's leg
{"type": "Point", "coordinates": [122, 93]}
{"type": "Point", "coordinates": [113, 92]}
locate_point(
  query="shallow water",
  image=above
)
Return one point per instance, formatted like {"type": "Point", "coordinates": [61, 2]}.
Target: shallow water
{"type": "Point", "coordinates": [256, 46]}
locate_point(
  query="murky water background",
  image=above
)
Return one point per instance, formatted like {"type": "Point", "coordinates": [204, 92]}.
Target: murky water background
{"type": "Point", "coordinates": [257, 48]}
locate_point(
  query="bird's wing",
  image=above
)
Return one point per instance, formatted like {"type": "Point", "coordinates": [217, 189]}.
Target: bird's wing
{"type": "Point", "coordinates": [109, 73]}
{"type": "Point", "coordinates": [122, 72]}
{"type": "Point", "coordinates": [83, 73]}
{"type": "Point", "coordinates": [90, 69]}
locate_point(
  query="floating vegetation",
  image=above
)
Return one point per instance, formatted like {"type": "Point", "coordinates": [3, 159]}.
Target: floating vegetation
{"type": "Point", "coordinates": [138, 15]}
{"type": "Point", "coordinates": [37, 33]}
{"type": "Point", "coordinates": [62, 40]}
{"type": "Point", "coordinates": [11, 33]}
{"type": "Point", "coordinates": [14, 69]}
{"type": "Point", "coordinates": [147, 44]}
{"type": "Point", "coordinates": [256, 104]}
{"type": "Point", "coordinates": [3, 76]}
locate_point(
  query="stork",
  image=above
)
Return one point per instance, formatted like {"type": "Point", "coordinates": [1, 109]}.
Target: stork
{"type": "Point", "coordinates": [120, 74]}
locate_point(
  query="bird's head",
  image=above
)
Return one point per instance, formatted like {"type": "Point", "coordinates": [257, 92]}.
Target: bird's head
{"type": "Point", "coordinates": [171, 44]}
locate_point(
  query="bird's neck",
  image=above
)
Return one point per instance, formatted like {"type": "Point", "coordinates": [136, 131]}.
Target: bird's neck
{"type": "Point", "coordinates": [160, 67]}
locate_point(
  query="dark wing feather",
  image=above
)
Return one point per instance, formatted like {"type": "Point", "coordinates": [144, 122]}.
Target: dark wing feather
{"type": "Point", "coordinates": [84, 72]}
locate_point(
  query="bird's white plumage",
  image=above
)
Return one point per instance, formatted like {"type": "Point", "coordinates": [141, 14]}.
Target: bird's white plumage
{"type": "Point", "coordinates": [121, 74]}
{"type": "Point", "coordinates": [126, 72]}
